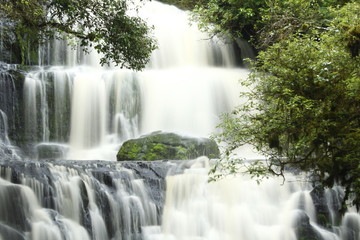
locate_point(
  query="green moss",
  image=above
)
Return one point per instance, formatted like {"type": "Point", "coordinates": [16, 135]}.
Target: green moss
{"type": "Point", "coordinates": [158, 147]}
{"type": "Point", "coordinates": [154, 152]}
{"type": "Point", "coordinates": [129, 151]}
{"type": "Point", "coordinates": [181, 153]}
{"type": "Point", "coordinates": [165, 146]}
{"type": "Point", "coordinates": [151, 156]}
{"type": "Point", "coordinates": [134, 151]}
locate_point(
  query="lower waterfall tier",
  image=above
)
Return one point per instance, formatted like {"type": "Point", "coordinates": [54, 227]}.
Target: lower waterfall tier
{"type": "Point", "coordinates": [160, 200]}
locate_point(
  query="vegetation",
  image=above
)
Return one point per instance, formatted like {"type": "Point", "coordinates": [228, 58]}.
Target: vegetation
{"type": "Point", "coordinates": [263, 22]}
{"type": "Point", "coordinates": [229, 18]}
{"type": "Point", "coordinates": [303, 97]}
{"type": "Point", "coordinates": [184, 4]}
{"type": "Point", "coordinates": [303, 101]}
{"type": "Point", "coordinates": [109, 26]}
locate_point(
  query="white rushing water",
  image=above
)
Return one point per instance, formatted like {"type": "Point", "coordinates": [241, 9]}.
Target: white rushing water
{"type": "Point", "coordinates": [69, 202]}
{"type": "Point", "coordinates": [76, 109]}
{"type": "Point", "coordinates": [127, 201]}
{"type": "Point", "coordinates": [190, 81]}
{"type": "Point", "coordinates": [237, 207]}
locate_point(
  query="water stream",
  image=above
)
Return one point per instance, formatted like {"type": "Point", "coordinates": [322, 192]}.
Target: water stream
{"type": "Point", "coordinates": [75, 104]}
{"type": "Point", "coordinates": [162, 200]}
{"type": "Point", "coordinates": [70, 110]}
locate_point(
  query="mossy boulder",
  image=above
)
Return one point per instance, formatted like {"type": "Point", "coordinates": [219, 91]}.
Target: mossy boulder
{"type": "Point", "coordinates": [167, 146]}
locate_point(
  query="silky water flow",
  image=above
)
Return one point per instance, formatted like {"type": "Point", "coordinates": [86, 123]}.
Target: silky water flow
{"type": "Point", "coordinates": [76, 110]}
{"type": "Point", "coordinates": [86, 111]}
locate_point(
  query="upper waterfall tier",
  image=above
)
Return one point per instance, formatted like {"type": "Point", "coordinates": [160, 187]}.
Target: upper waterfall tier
{"type": "Point", "coordinates": [179, 43]}
{"type": "Point", "coordinates": [76, 109]}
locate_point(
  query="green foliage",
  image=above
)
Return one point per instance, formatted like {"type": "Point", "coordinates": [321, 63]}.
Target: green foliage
{"type": "Point", "coordinates": [349, 19]}
{"type": "Point", "coordinates": [110, 26]}
{"type": "Point", "coordinates": [281, 19]}
{"type": "Point", "coordinates": [303, 107]}
{"type": "Point", "coordinates": [184, 4]}
{"type": "Point", "coordinates": [229, 18]}
{"type": "Point", "coordinates": [265, 22]}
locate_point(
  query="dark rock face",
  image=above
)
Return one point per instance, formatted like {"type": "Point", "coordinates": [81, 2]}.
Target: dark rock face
{"type": "Point", "coordinates": [327, 205]}
{"type": "Point", "coordinates": [119, 198]}
{"type": "Point", "coordinates": [321, 207]}
{"type": "Point", "coordinates": [11, 86]}
{"type": "Point", "coordinates": [167, 146]}
{"type": "Point", "coordinates": [303, 228]}
{"type": "Point", "coordinates": [14, 211]}
{"type": "Point", "coordinates": [10, 50]}
{"type": "Point", "coordinates": [16, 50]}
{"type": "Point", "coordinates": [11, 82]}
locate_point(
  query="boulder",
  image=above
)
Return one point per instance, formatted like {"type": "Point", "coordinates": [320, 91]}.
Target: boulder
{"type": "Point", "coordinates": [167, 146]}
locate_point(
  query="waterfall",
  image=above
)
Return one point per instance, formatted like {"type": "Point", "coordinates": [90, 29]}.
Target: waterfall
{"type": "Point", "coordinates": [8, 108]}
{"type": "Point", "coordinates": [36, 107]}
{"type": "Point", "coordinates": [79, 200]}
{"type": "Point", "coordinates": [104, 200]}
{"type": "Point", "coordinates": [76, 107]}
{"type": "Point", "coordinates": [237, 207]}
{"type": "Point", "coordinates": [69, 108]}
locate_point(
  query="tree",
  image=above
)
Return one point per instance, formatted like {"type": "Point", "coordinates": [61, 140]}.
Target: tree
{"type": "Point", "coordinates": [111, 27]}
{"type": "Point", "coordinates": [229, 18]}
{"type": "Point", "coordinates": [263, 22]}
{"type": "Point", "coordinates": [303, 105]}
{"type": "Point", "coordinates": [282, 19]}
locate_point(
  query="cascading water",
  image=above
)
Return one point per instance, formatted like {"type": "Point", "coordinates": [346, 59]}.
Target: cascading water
{"type": "Point", "coordinates": [237, 207]}
{"type": "Point", "coordinates": [76, 109]}
{"type": "Point", "coordinates": [102, 200]}
{"type": "Point", "coordinates": [83, 200]}
{"type": "Point", "coordinates": [91, 110]}
{"type": "Point", "coordinates": [8, 107]}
